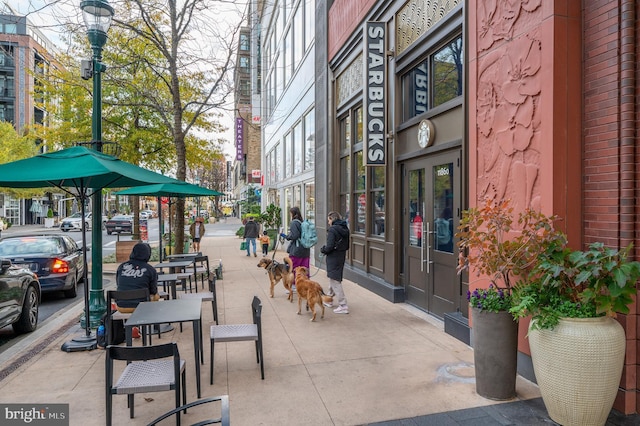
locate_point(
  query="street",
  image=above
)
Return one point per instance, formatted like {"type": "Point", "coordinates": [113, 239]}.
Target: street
{"type": "Point", "coordinates": [55, 302]}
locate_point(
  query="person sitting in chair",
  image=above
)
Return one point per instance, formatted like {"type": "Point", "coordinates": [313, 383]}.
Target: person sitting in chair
{"type": "Point", "coordinates": [135, 274]}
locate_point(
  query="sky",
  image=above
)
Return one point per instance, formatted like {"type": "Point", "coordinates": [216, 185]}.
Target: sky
{"type": "Point", "coordinates": [47, 16]}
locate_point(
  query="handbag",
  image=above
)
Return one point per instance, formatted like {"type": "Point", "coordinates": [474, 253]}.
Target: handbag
{"type": "Point", "coordinates": [243, 245]}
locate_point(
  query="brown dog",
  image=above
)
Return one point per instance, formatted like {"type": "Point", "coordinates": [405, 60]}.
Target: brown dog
{"type": "Point", "coordinates": [279, 272]}
{"type": "Point", "coordinates": [311, 291]}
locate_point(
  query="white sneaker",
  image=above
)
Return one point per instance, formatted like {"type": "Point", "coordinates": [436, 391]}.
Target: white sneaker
{"type": "Point", "coordinates": [327, 304]}
{"type": "Point", "coordinates": [342, 309]}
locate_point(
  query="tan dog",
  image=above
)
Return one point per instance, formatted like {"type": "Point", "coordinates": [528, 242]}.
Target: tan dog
{"type": "Point", "coordinates": [279, 272]}
{"type": "Point", "coordinates": [311, 291]}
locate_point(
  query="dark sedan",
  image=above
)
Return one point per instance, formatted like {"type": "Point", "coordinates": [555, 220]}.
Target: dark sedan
{"type": "Point", "coordinates": [19, 297]}
{"type": "Point", "coordinates": [55, 259]}
{"type": "Point", "coordinates": [120, 223]}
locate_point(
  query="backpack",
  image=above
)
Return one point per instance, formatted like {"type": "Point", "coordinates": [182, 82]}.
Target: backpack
{"type": "Point", "coordinates": [116, 333]}
{"type": "Point", "coordinates": [308, 235]}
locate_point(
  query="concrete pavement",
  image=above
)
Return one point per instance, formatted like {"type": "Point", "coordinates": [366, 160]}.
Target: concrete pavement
{"type": "Point", "coordinates": [380, 363]}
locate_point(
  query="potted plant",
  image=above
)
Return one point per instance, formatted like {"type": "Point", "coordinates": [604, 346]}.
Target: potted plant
{"type": "Point", "coordinates": [271, 219]}
{"type": "Point", "coordinates": [499, 248]}
{"type": "Point", "coordinates": [49, 220]}
{"type": "Point", "coordinates": [577, 347]}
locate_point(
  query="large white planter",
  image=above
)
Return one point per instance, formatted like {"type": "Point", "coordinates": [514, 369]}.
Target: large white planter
{"type": "Point", "coordinates": [48, 222]}
{"type": "Point", "coordinates": [578, 366]}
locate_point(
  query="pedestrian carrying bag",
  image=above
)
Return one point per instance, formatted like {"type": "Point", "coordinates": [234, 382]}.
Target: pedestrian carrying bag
{"type": "Point", "coordinates": [308, 235]}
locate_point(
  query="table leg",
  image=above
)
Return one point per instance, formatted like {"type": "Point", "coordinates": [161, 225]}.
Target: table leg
{"type": "Point", "coordinates": [196, 345]}
{"type": "Point", "coordinates": [127, 334]}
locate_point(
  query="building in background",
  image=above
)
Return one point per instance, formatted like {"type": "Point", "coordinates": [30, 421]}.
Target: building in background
{"type": "Point", "coordinates": [246, 171]}
{"type": "Point", "coordinates": [26, 56]}
{"type": "Point", "coordinates": [286, 32]}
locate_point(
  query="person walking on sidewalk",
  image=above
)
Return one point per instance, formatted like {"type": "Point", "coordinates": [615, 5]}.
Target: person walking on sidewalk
{"type": "Point", "coordinates": [298, 254]}
{"type": "Point", "coordinates": [335, 250]}
{"type": "Point", "coordinates": [197, 232]}
{"type": "Point", "coordinates": [251, 232]}
{"type": "Point", "coordinates": [1, 227]}
{"type": "Point", "coordinates": [265, 240]}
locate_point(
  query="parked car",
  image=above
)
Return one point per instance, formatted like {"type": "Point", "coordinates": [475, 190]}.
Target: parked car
{"type": "Point", "coordinates": [150, 214]}
{"type": "Point", "coordinates": [19, 297]}
{"type": "Point", "coordinates": [145, 215]}
{"type": "Point", "coordinates": [56, 260]}
{"type": "Point", "coordinates": [120, 223]}
{"type": "Point", "coordinates": [74, 222]}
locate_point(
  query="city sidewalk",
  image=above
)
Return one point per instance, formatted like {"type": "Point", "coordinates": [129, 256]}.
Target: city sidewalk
{"type": "Point", "coordinates": [380, 363]}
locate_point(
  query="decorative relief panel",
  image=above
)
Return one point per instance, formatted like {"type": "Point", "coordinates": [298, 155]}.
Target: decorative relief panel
{"type": "Point", "coordinates": [350, 81]}
{"type": "Point", "coordinates": [416, 17]}
{"type": "Point", "coordinates": [508, 103]}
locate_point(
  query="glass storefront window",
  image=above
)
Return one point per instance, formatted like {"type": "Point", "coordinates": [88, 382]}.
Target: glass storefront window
{"type": "Point", "coordinates": [416, 206]}
{"type": "Point", "coordinates": [359, 128]}
{"type": "Point", "coordinates": [433, 81]}
{"type": "Point", "coordinates": [447, 72]}
{"type": "Point", "coordinates": [287, 155]}
{"type": "Point", "coordinates": [344, 206]}
{"type": "Point", "coordinates": [378, 197]}
{"type": "Point", "coordinates": [298, 146]}
{"type": "Point", "coordinates": [278, 162]}
{"type": "Point", "coordinates": [345, 133]}
{"type": "Point", "coordinates": [345, 174]}
{"type": "Point", "coordinates": [309, 139]}
{"type": "Point", "coordinates": [310, 201]}
{"type": "Point", "coordinates": [443, 207]}
{"type": "Point", "coordinates": [361, 180]}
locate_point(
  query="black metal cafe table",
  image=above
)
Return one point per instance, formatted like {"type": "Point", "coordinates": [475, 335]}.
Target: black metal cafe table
{"type": "Point", "coordinates": [176, 266]}
{"type": "Point", "coordinates": [163, 311]}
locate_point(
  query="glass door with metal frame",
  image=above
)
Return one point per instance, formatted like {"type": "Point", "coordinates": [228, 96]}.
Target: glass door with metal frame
{"type": "Point", "coordinates": [431, 200]}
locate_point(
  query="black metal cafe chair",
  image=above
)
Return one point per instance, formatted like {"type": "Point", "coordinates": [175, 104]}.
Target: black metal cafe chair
{"type": "Point", "coordinates": [148, 369]}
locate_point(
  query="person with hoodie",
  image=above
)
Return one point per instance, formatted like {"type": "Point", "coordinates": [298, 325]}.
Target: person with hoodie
{"type": "Point", "coordinates": [135, 274]}
{"type": "Point", "coordinates": [336, 252]}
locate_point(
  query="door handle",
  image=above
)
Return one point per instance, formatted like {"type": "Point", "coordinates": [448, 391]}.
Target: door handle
{"type": "Point", "coordinates": [422, 247]}
{"type": "Point", "coordinates": [428, 240]}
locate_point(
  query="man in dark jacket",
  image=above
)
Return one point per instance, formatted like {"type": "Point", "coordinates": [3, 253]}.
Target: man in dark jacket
{"type": "Point", "coordinates": [336, 250]}
{"type": "Point", "coordinates": [136, 274]}
{"type": "Point", "coordinates": [251, 232]}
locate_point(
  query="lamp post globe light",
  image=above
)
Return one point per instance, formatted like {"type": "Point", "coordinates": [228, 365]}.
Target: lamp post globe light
{"type": "Point", "coordinates": [97, 15]}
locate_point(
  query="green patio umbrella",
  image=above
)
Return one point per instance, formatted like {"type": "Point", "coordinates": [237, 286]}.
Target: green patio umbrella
{"type": "Point", "coordinates": [177, 189]}
{"type": "Point", "coordinates": [80, 172]}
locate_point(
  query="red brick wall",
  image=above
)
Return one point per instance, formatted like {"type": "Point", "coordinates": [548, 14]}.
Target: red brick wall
{"type": "Point", "coordinates": [609, 152]}
{"type": "Point", "coordinates": [344, 17]}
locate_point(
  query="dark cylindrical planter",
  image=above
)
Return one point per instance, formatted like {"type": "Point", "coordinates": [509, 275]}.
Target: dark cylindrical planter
{"type": "Point", "coordinates": [495, 354]}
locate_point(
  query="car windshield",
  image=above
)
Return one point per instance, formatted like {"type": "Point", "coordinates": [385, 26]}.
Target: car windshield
{"type": "Point", "coordinates": [29, 246]}
{"type": "Point", "coordinates": [121, 217]}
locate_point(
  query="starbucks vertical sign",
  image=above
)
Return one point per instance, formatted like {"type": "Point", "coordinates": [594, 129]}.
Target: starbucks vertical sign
{"type": "Point", "coordinates": [375, 77]}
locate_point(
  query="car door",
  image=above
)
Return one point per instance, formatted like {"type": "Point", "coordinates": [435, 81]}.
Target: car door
{"type": "Point", "coordinates": [73, 256]}
{"type": "Point", "coordinates": [11, 293]}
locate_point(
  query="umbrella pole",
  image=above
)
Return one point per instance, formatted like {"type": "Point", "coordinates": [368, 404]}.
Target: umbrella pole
{"type": "Point", "coordinates": [160, 226]}
{"type": "Point", "coordinates": [87, 342]}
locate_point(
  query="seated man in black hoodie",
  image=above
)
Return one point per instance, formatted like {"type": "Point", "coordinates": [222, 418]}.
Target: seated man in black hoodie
{"type": "Point", "coordinates": [136, 274]}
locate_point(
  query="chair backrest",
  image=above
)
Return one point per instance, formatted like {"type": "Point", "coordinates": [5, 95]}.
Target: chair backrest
{"type": "Point", "coordinates": [140, 353]}
{"type": "Point", "coordinates": [224, 411]}
{"type": "Point", "coordinates": [212, 284]}
{"type": "Point", "coordinates": [256, 310]}
{"type": "Point", "coordinates": [137, 294]}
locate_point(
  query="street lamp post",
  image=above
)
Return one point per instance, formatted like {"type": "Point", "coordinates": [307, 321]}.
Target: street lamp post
{"type": "Point", "coordinates": [97, 15]}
